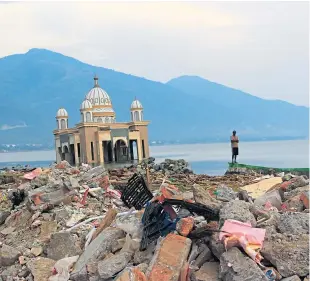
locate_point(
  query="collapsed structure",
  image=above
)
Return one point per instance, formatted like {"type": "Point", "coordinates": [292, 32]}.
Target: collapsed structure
{"type": "Point", "coordinates": [90, 224]}
{"type": "Point", "coordinates": [98, 138]}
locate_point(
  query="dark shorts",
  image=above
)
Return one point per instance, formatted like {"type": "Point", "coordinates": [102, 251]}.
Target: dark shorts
{"type": "Point", "coordinates": [235, 150]}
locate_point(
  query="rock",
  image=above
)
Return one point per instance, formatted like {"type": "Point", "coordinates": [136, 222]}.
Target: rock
{"type": "Point", "coordinates": [37, 251]}
{"type": "Point", "coordinates": [144, 256]}
{"type": "Point", "coordinates": [203, 257]}
{"type": "Point", "coordinates": [3, 216]}
{"type": "Point", "coordinates": [8, 230]}
{"type": "Point", "coordinates": [117, 245]}
{"type": "Point", "coordinates": [216, 246]}
{"type": "Point", "coordinates": [111, 266]}
{"type": "Point", "coordinates": [226, 192]}
{"type": "Point", "coordinates": [202, 196]}
{"type": "Point", "coordinates": [8, 255]}
{"type": "Point", "coordinates": [294, 204]}
{"type": "Point", "coordinates": [61, 215]}
{"type": "Point", "coordinates": [41, 268]}
{"type": "Point", "coordinates": [273, 197]}
{"type": "Point", "coordinates": [307, 278]}
{"type": "Point", "coordinates": [131, 274]}
{"type": "Point", "coordinates": [19, 219]}
{"type": "Point", "coordinates": [288, 253]}
{"type": "Point", "coordinates": [46, 216]}
{"type": "Point", "coordinates": [170, 255]}
{"type": "Point", "coordinates": [237, 210]}
{"type": "Point", "coordinates": [234, 266]}
{"type": "Point", "coordinates": [47, 228]}
{"type": "Point", "coordinates": [294, 223]}
{"type": "Point", "coordinates": [62, 245]}
{"type": "Point", "coordinates": [292, 278]}
{"type": "Point", "coordinates": [94, 172]}
{"type": "Point", "coordinates": [208, 272]}
{"type": "Point", "coordinates": [96, 250]}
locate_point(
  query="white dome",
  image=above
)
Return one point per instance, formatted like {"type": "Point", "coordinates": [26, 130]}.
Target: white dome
{"type": "Point", "coordinates": [86, 104]}
{"type": "Point", "coordinates": [62, 113]}
{"type": "Point", "coordinates": [136, 104]}
{"type": "Point", "coordinates": [98, 96]}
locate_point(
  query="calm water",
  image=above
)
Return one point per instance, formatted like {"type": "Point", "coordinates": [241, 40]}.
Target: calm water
{"type": "Point", "coordinates": [204, 158]}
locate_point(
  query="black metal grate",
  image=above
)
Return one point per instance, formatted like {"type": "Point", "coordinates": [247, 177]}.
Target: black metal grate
{"type": "Point", "coordinates": [136, 194]}
{"type": "Point", "coordinates": [156, 223]}
{"type": "Point", "coordinates": [199, 209]}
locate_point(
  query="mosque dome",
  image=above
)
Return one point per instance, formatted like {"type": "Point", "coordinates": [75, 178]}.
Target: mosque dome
{"type": "Point", "coordinates": [136, 105]}
{"type": "Point", "coordinates": [62, 113]}
{"type": "Point", "coordinates": [98, 96]}
{"type": "Point", "coordinates": [86, 104]}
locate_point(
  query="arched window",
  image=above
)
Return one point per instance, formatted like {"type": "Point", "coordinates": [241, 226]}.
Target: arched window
{"type": "Point", "coordinates": [99, 120]}
{"type": "Point", "coordinates": [141, 115]}
{"type": "Point", "coordinates": [107, 120]}
{"type": "Point", "coordinates": [57, 124]}
{"type": "Point", "coordinates": [137, 116]}
{"type": "Point", "coordinates": [88, 117]}
{"type": "Point", "coordinates": [63, 124]}
{"type": "Point", "coordinates": [132, 116]}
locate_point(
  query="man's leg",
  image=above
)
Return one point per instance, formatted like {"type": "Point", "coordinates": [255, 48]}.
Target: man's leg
{"type": "Point", "coordinates": [235, 158]}
{"type": "Point", "coordinates": [232, 157]}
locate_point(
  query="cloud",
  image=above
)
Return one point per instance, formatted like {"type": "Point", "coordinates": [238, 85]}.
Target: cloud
{"type": "Point", "coordinates": [258, 47]}
{"type": "Point", "coordinates": [6, 127]}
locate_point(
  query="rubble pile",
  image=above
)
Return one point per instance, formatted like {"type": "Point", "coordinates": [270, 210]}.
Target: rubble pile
{"type": "Point", "coordinates": [143, 224]}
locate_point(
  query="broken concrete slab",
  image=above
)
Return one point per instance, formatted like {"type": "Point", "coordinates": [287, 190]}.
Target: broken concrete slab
{"type": "Point", "coordinates": [62, 245]}
{"type": "Point", "coordinates": [234, 266]}
{"type": "Point", "coordinates": [272, 197]}
{"type": "Point", "coordinates": [294, 223]}
{"type": "Point", "coordinates": [208, 272]}
{"type": "Point", "coordinates": [41, 268]}
{"type": "Point", "coordinates": [98, 248]}
{"type": "Point", "coordinates": [203, 257]}
{"type": "Point", "coordinates": [47, 229]}
{"type": "Point", "coordinates": [109, 267]}
{"type": "Point", "coordinates": [288, 253]}
{"type": "Point", "coordinates": [18, 219]}
{"type": "Point", "coordinates": [292, 278]}
{"type": "Point", "coordinates": [237, 210]}
{"type": "Point", "coordinates": [170, 255]}
{"type": "Point", "coordinates": [203, 197]}
{"type": "Point", "coordinates": [3, 216]}
{"type": "Point", "coordinates": [8, 255]}
{"type": "Point", "coordinates": [8, 230]}
{"type": "Point", "coordinates": [216, 246]}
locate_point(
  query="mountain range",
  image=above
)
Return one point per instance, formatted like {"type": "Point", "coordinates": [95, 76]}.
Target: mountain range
{"type": "Point", "coordinates": [188, 108]}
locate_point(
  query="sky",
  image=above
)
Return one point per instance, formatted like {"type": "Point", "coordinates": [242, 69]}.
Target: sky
{"type": "Point", "coordinates": [259, 47]}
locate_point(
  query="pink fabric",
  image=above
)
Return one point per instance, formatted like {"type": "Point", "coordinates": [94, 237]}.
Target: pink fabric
{"type": "Point", "coordinates": [243, 235]}
{"type": "Point", "coordinates": [253, 235]}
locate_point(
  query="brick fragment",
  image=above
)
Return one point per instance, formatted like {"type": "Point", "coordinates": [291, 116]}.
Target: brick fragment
{"type": "Point", "coordinates": [169, 258]}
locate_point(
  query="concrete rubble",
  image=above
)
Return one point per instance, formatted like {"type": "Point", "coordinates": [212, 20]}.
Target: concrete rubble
{"type": "Point", "coordinates": [71, 223]}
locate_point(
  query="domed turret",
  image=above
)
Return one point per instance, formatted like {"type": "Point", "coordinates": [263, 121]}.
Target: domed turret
{"type": "Point", "coordinates": [102, 110]}
{"type": "Point", "coordinates": [136, 111]}
{"type": "Point", "coordinates": [86, 111]}
{"type": "Point", "coordinates": [62, 119]}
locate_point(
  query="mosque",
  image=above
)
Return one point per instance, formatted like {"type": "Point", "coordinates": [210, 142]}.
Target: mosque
{"type": "Point", "coordinates": [98, 138]}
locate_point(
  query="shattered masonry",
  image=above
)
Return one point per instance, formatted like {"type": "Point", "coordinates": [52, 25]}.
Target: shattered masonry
{"type": "Point", "coordinates": [89, 224]}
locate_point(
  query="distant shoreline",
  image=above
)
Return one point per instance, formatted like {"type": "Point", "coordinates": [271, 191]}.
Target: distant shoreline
{"type": "Point", "coordinates": [178, 143]}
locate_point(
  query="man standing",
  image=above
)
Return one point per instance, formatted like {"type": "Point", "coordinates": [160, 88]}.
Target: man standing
{"type": "Point", "coordinates": [234, 146]}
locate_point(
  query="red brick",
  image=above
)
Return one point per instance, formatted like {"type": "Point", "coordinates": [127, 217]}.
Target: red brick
{"type": "Point", "coordinates": [304, 197]}
{"type": "Point", "coordinates": [185, 226]}
{"type": "Point", "coordinates": [169, 258]}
